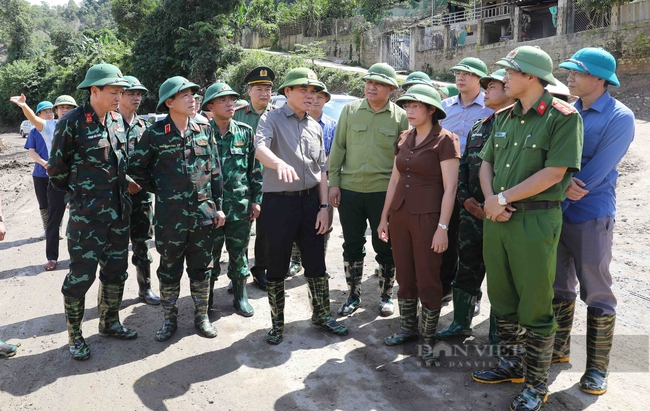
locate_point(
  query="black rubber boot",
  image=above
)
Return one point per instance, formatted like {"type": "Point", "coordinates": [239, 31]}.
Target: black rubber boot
{"type": "Point", "coordinates": [145, 292]}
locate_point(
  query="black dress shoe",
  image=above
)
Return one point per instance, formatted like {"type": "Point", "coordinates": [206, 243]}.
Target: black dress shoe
{"type": "Point", "coordinates": [259, 279]}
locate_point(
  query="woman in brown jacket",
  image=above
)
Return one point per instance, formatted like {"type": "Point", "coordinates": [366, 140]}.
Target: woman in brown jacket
{"type": "Point", "coordinates": [419, 203]}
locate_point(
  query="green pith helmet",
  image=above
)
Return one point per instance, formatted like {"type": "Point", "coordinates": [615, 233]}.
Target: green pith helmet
{"type": "Point", "coordinates": [450, 90]}
{"type": "Point", "coordinates": [65, 100]}
{"type": "Point", "coordinates": [417, 77]}
{"type": "Point", "coordinates": [217, 90]}
{"type": "Point", "coordinates": [43, 105]}
{"type": "Point", "coordinates": [240, 103]}
{"type": "Point", "coordinates": [134, 84]}
{"type": "Point", "coordinates": [300, 77]}
{"type": "Point", "coordinates": [170, 88]}
{"type": "Point", "coordinates": [595, 61]}
{"type": "Point", "coordinates": [382, 73]}
{"type": "Point", "coordinates": [497, 75]}
{"type": "Point", "coordinates": [472, 65]}
{"type": "Point", "coordinates": [423, 94]}
{"type": "Point", "coordinates": [326, 92]}
{"type": "Point", "coordinates": [530, 60]}
{"type": "Point", "coordinates": [103, 74]}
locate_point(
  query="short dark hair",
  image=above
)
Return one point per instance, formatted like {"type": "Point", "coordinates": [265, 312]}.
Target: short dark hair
{"type": "Point", "coordinates": [544, 83]}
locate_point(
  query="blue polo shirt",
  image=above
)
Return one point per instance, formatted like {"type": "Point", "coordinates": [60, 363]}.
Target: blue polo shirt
{"type": "Point", "coordinates": [460, 118]}
{"type": "Point", "coordinates": [329, 129]}
{"type": "Point", "coordinates": [609, 131]}
{"type": "Point", "coordinates": [36, 141]}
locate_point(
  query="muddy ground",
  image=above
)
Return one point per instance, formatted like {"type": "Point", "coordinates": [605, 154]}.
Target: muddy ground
{"type": "Point", "coordinates": [310, 370]}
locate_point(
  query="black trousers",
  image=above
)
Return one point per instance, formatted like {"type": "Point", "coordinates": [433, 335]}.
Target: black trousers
{"type": "Point", "coordinates": [40, 187]}
{"type": "Point", "coordinates": [261, 247]}
{"type": "Point", "coordinates": [449, 267]}
{"type": "Point", "coordinates": [287, 219]}
{"type": "Point", "coordinates": [56, 209]}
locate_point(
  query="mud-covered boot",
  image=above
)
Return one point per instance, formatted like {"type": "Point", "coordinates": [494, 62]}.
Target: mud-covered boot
{"type": "Point", "coordinates": [240, 298]}
{"type": "Point", "coordinates": [429, 325]}
{"type": "Point", "coordinates": [386, 283]}
{"type": "Point", "coordinates": [512, 347]}
{"type": "Point", "coordinates": [353, 276]}
{"type": "Point", "coordinates": [200, 291]}
{"type": "Point", "coordinates": [319, 299]}
{"type": "Point", "coordinates": [109, 298]}
{"type": "Point", "coordinates": [145, 292]}
{"type": "Point", "coordinates": [8, 350]}
{"type": "Point", "coordinates": [539, 350]}
{"type": "Point", "coordinates": [74, 316]}
{"type": "Point", "coordinates": [44, 217]}
{"type": "Point", "coordinates": [464, 307]}
{"type": "Point", "coordinates": [168, 296]}
{"type": "Point", "coordinates": [563, 311]}
{"type": "Point", "coordinates": [408, 323]}
{"type": "Point", "coordinates": [600, 335]}
{"type": "Point", "coordinates": [275, 291]}
{"type": "Point", "coordinates": [296, 261]}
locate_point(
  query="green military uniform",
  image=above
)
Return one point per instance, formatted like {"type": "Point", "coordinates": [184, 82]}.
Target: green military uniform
{"type": "Point", "coordinates": [520, 253]}
{"type": "Point", "coordinates": [184, 173]}
{"type": "Point", "coordinates": [247, 115]}
{"type": "Point", "coordinates": [89, 161]}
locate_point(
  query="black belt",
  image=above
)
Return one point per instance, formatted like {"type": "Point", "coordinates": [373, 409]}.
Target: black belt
{"type": "Point", "coordinates": [300, 193]}
{"type": "Point", "coordinates": [536, 205]}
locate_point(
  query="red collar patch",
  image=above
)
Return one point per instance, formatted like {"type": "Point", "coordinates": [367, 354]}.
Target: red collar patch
{"type": "Point", "coordinates": [541, 108]}
{"type": "Point", "coordinates": [168, 128]}
{"type": "Point", "coordinates": [89, 118]}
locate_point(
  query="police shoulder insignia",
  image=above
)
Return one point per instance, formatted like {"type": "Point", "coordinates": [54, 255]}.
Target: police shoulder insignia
{"type": "Point", "coordinates": [563, 107]}
{"type": "Point", "coordinates": [241, 107]}
{"type": "Point", "coordinates": [504, 109]}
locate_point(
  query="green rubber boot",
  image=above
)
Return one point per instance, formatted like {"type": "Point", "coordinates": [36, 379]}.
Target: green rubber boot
{"type": "Point", "coordinates": [408, 323]}
{"type": "Point", "coordinates": [109, 298]}
{"type": "Point", "coordinates": [600, 335]}
{"type": "Point", "coordinates": [464, 306]}
{"type": "Point", "coordinates": [200, 291]}
{"type": "Point", "coordinates": [319, 299]}
{"type": "Point", "coordinates": [386, 283]}
{"type": "Point", "coordinates": [74, 317]}
{"type": "Point", "coordinates": [429, 325]}
{"type": "Point", "coordinates": [240, 298]}
{"type": "Point", "coordinates": [539, 351]}
{"type": "Point", "coordinates": [353, 276]}
{"type": "Point", "coordinates": [512, 347]}
{"type": "Point", "coordinates": [168, 297]}
{"type": "Point", "coordinates": [275, 291]}
{"type": "Point", "coordinates": [564, 317]}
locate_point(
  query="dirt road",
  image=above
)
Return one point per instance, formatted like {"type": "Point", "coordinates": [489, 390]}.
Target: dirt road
{"type": "Point", "coordinates": [310, 370]}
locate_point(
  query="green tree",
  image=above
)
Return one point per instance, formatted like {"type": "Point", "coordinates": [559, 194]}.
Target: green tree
{"type": "Point", "coordinates": [130, 14]}
{"type": "Point", "coordinates": [15, 16]}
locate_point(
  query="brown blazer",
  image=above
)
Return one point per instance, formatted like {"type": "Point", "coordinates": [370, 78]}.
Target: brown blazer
{"type": "Point", "coordinates": [420, 183]}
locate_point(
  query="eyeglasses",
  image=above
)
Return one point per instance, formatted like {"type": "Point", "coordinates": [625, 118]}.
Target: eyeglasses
{"type": "Point", "coordinates": [510, 73]}
{"type": "Point", "coordinates": [580, 64]}
{"type": "Point", "coordinates": [514, 63]}
{"type": "Point", "coordinates": [225, 100]}
{"type": "Point", "coordinates": [461, 73]}
{"type": "Point", "coordinates": [413, 105]}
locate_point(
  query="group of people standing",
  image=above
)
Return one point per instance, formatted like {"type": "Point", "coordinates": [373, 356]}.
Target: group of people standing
{"type": "Point", "coordinates": [502, 177]}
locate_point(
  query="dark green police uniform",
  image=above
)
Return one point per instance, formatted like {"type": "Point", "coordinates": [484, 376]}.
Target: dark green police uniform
{"type": "Point", "coordinates": [520, 254]}
{"type": "Point", "coordinates": [247, 115]}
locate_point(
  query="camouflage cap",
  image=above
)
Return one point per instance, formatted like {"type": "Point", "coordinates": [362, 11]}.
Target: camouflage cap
{"type": "Point", "coordinates": [65, 99]}
{"type": "Point", "coordinates": [134, 84]}
{"type": "Point", "coordinates": [260, 75]}
{"type": "Point", "coordinates": [217, 90]}
{"type": "Point", "coordinates": [170, 88]}
{"type": "Point", "coordinates": [103, 74]}
{"type": "Point", "coordinates": [300, 77]}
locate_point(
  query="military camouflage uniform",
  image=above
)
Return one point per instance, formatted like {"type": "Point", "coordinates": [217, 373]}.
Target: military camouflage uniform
{"type": "Point", "coordinates": [242, 184]}
{"type": "Point", "coordinates": [471, 270]}
{"type": "Point", "coordinates": [89, 161]}
{"type": "Point", "coordinates": [184, 173]}
{"type": "Point", "coordinates": [142, 213]}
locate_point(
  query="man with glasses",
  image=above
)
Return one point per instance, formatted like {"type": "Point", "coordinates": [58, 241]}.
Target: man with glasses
{"type": "Point", "coordinates": [585, 249]}
{"type": "Point", "coordinates": [361, 162]}
{"type": "Point", "coordinates": [259, 83]}
{"type": "Point", "coordinates": [242, 191]}
{"type": "Point", "coordinates": [534, 147]}
{"type": "Point", "coordinates": [462, 111]}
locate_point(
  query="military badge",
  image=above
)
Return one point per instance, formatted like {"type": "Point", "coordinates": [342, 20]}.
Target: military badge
{"type": "Point", "coordinates": [89, 118]}
{"type": "Point", "coordinates": [263, 73]}
{"type": "Point", "coordinates": [168, 128]}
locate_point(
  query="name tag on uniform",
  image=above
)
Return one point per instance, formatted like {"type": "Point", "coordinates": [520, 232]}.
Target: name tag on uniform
{"type": "Point", "coordinates": [500, 134]}
{"type": "Point", "coordinates": [93, 136]}
{"type": "Point", "coordinates": [477, 135]}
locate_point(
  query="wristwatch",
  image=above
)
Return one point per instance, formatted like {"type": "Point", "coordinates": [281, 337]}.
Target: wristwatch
{"type": "Point", "coordinates": [502, 199]}
{"type": "Point", "coordinates": [443, 226]}
{"type": "Point", "coordinates": [327, 206]}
